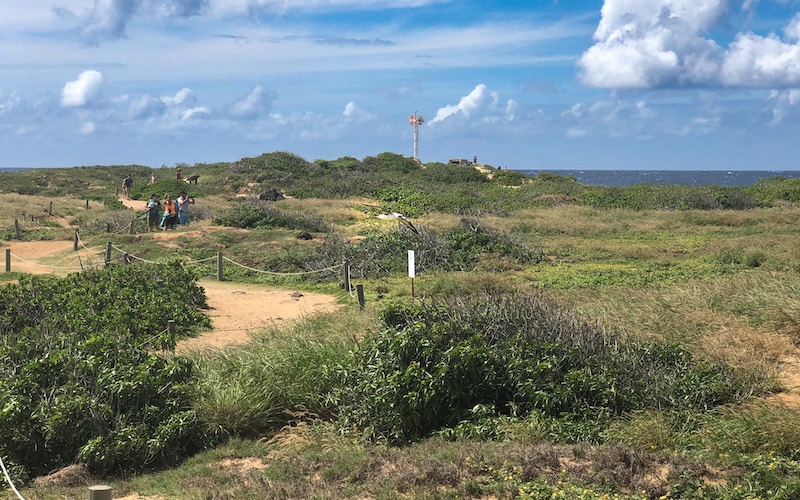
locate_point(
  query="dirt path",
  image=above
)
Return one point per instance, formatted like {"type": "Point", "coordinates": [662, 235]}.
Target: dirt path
{"type": "Point", "coordinates": [235, 309]}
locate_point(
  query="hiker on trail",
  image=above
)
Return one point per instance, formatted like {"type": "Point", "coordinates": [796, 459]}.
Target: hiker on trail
{"type": "Point", "coordinates": [153, 210]}
{"type": "Point", "coordinates": [127, 184]}
{"type": "Point", "coordinates": [152, 179]}
{"type": "Point", "coordinates": [183, 203]}
{"type": "Point", "coordinates": [170, 213]}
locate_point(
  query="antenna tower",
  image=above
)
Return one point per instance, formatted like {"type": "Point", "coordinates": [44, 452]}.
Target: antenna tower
{"type": "Point", "coordinates": [416, 120]}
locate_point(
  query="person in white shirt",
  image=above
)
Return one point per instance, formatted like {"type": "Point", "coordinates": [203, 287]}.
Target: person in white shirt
{"type": "Point", "coordinates": [183, 202]}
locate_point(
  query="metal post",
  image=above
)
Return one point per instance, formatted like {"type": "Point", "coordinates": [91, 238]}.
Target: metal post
{"type": "Point", "coordinates": [219, 267]}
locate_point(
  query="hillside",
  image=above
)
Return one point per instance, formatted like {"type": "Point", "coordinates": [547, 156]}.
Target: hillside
{"type": "Point", "coordinates": [562, 339]}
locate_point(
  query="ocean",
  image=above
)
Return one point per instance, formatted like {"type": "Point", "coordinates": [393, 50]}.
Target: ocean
{"type": "Point", "coordinates": [685, 177]}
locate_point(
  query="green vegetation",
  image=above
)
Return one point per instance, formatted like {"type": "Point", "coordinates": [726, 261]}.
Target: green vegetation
{"type": "Point", "coordinates": [80, 378]}
{"type": "Point", "coordinates": [564, 340]}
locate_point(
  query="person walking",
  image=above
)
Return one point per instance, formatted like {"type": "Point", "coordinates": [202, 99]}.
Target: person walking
{"type": "Point", "coordinates": [127, 184]}
{"type": "Point", "coordinates": [183, 203]}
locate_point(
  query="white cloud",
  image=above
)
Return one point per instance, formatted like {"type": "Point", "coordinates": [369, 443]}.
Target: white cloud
{"type": "Point", "coordinates": [147, 107]}
{"type": "Point", "coordinates": [660, 43]}
{"type": "Point", "coordinates": [80, 92]}
{"type": "Point", "coordinates": [183, 97]}
{"type": "Point", "coordinates": [254, 105]}
{"type": "Point", "coordinates": [9, 103]}
{"type": "Point", "coordinates": [88, 128]}
{"type": "Point", "coordinates": [783, 103]}
{"type": "Point", "coordinates": [199, 112]}
{"type": "Point", "coordinates": [353, 113]}
{"type": "Point", "coordinates": [479, 98]}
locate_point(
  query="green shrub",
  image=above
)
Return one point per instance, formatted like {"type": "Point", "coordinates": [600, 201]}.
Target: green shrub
{"type": "Point", "coordinates": [80, 376]}
{"type": "Point", "coordinates": [433, 363]}
{"type": "Point", "coordinates": [255, 214]}
{"type": "Point", "coordinates": [458, 249]}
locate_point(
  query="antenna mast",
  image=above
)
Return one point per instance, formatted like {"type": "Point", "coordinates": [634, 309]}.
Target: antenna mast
{"type": "Point", "coordinates": [416, 120]}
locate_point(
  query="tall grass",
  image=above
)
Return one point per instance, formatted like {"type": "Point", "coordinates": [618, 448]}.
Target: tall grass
{"type": "Point", "coordinates": [254, 389]}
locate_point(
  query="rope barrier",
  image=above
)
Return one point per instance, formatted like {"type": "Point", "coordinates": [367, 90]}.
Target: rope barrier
{"type": "Point", "coordinates": [8, 480]}
{"type": "Point", "coordinates": [80, 242]}
{"type": "Point", "coordinates": [44, 265]}
{"type": "Point", "coordinates": [282, 274]}
{"type": "Point", "coordinates": [201, 260]}
{"type": "Point", "coordinates": [162, 332]}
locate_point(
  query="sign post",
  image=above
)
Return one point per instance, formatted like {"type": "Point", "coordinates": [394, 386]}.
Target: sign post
{"type": "Point", "coordinates": [411, 272]}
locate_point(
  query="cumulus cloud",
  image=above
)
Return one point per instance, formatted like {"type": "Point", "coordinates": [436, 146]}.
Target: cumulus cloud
{"type": "Point", "coordinates": [146, 107]}
{"type": "Point", "coordinates": [82, 91]}
{"type": "Point", "coordinates": [662, 43]}
{"type": "Point", "coordinates": [254, 105]}
{"type": "Point", "coordinates": [480, 97]}
{"type": "Point", "coordinates": [353, 113]}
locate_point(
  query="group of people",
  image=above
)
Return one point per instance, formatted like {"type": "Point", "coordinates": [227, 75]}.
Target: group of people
{"type": "Point", "coordinates": [176, 212]}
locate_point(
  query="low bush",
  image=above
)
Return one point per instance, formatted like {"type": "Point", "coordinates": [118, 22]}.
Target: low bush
{"type": "Point", "coordinates": [458, 249]}
{"type": "Point", "coordinates": [255, 214]}
{"type": "Point", "coordinates": [80, 375]}
{"type": "Point", "coordinates": [432, 364]}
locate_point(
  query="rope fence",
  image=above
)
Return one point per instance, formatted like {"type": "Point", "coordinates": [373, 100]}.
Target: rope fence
{"type": "Point", "coordinates": [127, 258]}
{"type": "Point", "coordinates": [8, 480]}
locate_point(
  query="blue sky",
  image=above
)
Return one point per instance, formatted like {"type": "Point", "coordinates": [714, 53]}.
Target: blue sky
{"type": "Point", "coordinates": [555, 84]}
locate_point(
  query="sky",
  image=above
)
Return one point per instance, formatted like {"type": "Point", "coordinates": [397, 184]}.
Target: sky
{"type": "Point", "coordinates": [523, 84]}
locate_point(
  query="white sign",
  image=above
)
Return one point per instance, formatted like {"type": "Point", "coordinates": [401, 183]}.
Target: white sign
{"type": "Point", "coordinates": [411, 263]}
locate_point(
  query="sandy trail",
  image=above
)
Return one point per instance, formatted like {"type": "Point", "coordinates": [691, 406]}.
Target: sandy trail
{"type": "Point", "coordinates": [235, 309]}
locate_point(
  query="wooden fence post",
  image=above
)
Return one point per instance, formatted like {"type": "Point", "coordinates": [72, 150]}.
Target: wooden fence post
{"type": "Point", "coordinates": [171, 330]}
{"type": "Point", "coordinates": [16, 228]}
{"type": "Point", "coordinates": [75, 243]}
{"type": "Point", "coordinates": [346, 274]}
{"type": "Point", "coordinates": [87, 204]}
{"type": "Point", "coordinates": [100, 492]}
{"type": "Point", "coordinates": [108, 253]}
{"type": "Point", "coordinates": [360, 293]}
{"type": "Point", "coordinates": [50, 210]}
{"type": "Point", "coordinates": [8, 260]}
{"type": "Point", "coordinates": [220, 276]}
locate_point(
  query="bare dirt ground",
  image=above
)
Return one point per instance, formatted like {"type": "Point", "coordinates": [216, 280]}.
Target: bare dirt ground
{"type": "Point", "coordinates": [235, 309]}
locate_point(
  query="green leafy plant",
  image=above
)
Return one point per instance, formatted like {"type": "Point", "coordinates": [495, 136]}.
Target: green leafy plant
{"type": "Point", "coordinates": [81, 376]}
